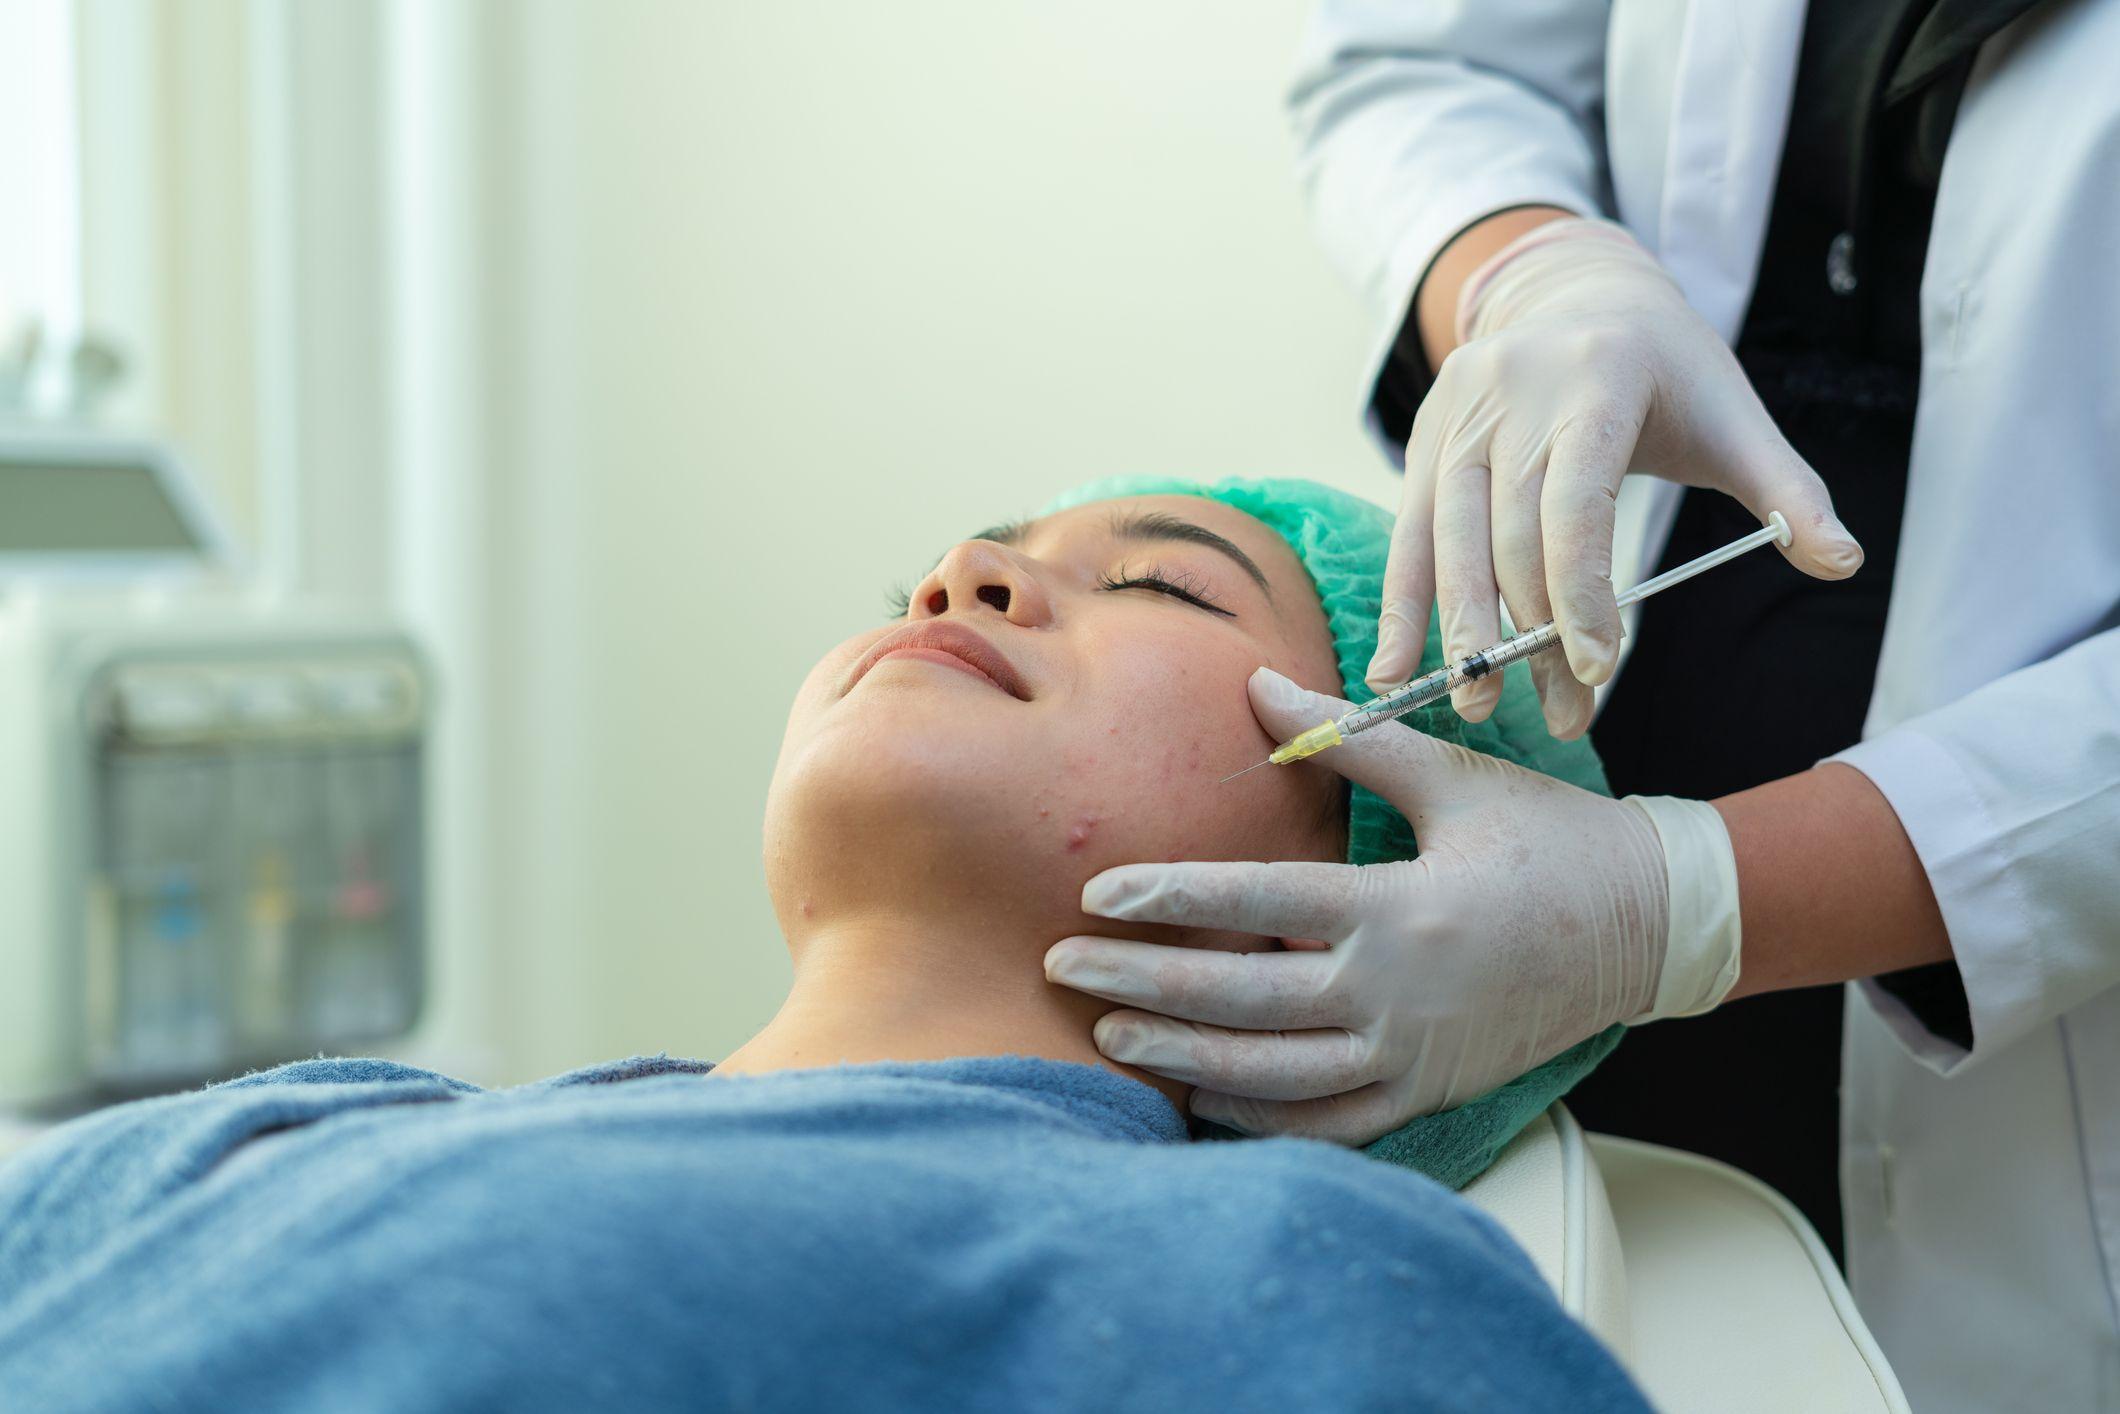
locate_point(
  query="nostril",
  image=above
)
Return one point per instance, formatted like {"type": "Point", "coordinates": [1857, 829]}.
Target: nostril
{"type": "Point", "coordinates": [995, 596]}
{"type": "Point", "coordinates": [938, 602]}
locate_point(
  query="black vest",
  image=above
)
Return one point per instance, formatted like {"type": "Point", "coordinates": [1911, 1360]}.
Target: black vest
{"type": "Point", "coordinates": [1756, 672]}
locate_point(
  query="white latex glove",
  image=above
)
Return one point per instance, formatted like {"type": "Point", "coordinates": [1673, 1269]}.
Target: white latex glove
{"type": "Point", "coordinates": [1537, 914]}
{"type": "Point", "coordinates": [1578, 361]}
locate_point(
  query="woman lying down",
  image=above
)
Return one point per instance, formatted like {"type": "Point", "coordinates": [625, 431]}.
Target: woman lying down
{"type": "Point", "coordinates": [920, 1186]}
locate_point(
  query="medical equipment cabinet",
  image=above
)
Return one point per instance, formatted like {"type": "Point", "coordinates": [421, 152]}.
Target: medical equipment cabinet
{"type": "Point", "coordinates": [212, 850]}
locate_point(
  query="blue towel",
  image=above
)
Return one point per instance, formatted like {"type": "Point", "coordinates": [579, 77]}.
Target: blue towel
{"type": "Point", "coordinates": [974, 1234]}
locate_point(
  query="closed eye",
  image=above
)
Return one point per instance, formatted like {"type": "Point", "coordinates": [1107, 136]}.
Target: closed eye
{"type": "Point", "coordinates": [1178, 585]}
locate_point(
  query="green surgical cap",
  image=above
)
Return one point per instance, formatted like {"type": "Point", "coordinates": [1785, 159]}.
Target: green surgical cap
{"type": "Point", "coordinates": [1342, 541]}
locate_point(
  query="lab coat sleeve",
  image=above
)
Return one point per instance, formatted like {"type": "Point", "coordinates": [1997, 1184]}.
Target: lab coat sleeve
{"type": "Point", "coordinates": [1414, 118]}
{"type": "Point", "coordinates": [2011, 796]}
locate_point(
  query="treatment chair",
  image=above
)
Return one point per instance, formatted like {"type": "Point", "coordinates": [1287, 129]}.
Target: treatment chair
{"type": "Point", "coordinates": [1710, 1288]}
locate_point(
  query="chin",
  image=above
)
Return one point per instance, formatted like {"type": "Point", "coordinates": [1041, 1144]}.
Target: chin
{"type": "Point", "coordinates": [920, 799]}
{"type": "Point", "coordinates": [920, 754]}
{"type": "Point", "coordinates": [875, 802]}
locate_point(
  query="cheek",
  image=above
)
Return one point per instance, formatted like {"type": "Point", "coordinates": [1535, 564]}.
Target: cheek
{"type": "Point", "coordinates": [1151, 736]}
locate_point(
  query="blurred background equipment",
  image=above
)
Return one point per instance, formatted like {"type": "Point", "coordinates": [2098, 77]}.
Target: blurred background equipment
{"type": "Point", "coordinates": [212, 841]}
{"type": "Point", "coordinates": [626, 353]}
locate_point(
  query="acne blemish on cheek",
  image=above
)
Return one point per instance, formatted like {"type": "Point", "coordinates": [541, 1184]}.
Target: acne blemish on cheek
{"type": "Point", "coordinates": [1078, 833]}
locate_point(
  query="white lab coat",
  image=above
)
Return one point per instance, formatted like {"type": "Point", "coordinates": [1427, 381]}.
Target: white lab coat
{"type": "Point", "coordinates": [1982, 1189]}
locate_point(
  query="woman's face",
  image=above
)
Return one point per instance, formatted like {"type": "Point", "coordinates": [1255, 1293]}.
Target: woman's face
{"type": "Point", "coordinates": [1058, 697]}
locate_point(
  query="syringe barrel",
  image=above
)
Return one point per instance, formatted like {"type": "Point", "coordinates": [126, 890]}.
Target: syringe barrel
{"type": "Point", "coordinates": [1431, 686]}
{"type": "Point", "coordinates": [1398, 702]}
{"type": "Point", "coordinates": [1513, 649]}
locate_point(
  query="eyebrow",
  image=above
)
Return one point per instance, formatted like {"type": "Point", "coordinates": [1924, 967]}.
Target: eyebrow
{"type": "Point", "coordinates": [1156, 525]}
{"type": "Point", "coordinates": [1007, 533]}
{"type": "Point", "coordinates": [1148, 525]}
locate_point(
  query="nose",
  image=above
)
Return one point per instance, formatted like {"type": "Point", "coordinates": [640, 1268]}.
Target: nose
{"type": "Point", "coordinates": [980, 576]}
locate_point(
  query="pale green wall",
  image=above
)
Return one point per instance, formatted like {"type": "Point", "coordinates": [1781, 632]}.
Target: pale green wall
{"type": "Point", "coordinates": [814, 288]}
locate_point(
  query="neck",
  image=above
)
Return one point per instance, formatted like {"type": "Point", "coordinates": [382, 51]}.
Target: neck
{"type": "Point", "coordinates": [906, 989]}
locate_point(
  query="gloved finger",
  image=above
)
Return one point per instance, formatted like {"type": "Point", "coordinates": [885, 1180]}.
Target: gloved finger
{"type": "Point", "coordinates": [1777, 479]}
{"type": "Point", "coordinates": [1520, 571]}
{"type": "Point", "coordinates": [1278, 899]}
{"type": "Point", "coordinates": [1357, 1116]}
{"type": "Point", "coordinates": [1464, 581]}
{"type": "Point", "coordinates": [1409, 568]}
{"type": "Point", "coordinates": [1576, 508]}
{"type": "Point", "coordinates": [1262, 1065]}
{"type": "Point", "coordinates": [1409, 768]}
{"type": "Point", "coordinates": [1258, 991]}
{"type": "Point", "coordinates": [1284, 707]}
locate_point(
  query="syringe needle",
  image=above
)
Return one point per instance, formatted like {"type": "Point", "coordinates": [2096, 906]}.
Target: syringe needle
{"type": "Point", "coordinates": [1245, 772]}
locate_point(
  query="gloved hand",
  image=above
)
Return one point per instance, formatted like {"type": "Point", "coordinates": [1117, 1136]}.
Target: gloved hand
{"type": "Point", "coordinates": [1578, 361]}
{"type": "Point", "coordinates": [1536, 915]}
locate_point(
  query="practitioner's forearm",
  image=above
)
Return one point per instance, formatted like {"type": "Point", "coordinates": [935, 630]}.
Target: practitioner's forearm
{"type": "Point", "coordinates": [1435, 306]}
{"type": "Point", "coordinates": [1828, 883]}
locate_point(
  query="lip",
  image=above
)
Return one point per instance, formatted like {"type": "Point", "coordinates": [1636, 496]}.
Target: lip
{"type": "Point", "coordinates": [958, 642]}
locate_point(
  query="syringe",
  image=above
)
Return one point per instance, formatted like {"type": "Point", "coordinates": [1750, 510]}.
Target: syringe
{"type": "Point", "coordinates": [1474, 666]}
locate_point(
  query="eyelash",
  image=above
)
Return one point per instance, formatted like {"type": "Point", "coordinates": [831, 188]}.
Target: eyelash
{"type": "Point", "coordinates": [1178, 586]}
{"type": "Point", "coordinates": [898, 602]}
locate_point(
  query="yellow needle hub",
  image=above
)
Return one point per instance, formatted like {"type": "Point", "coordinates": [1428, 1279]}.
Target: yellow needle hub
{"type": "Point", "coordinates": [1309, 743]}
